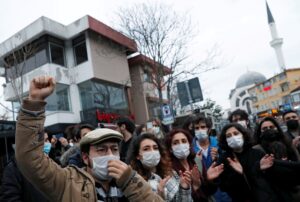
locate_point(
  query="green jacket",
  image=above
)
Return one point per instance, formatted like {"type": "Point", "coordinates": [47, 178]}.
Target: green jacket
{"type": "Point", "coordinates": [63, 184]}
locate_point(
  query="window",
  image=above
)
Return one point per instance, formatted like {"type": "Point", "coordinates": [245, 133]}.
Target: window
{"type": "Point", "coordinates": [41, 58]}
{"type": "Point", "coordinates": [57, 54]}
{"type": "Point", "coordinates": [282, 76]}
{"type": "Point", "coordinates": [237, 102]}
{"type": "Point", "coordinates": [286, 99]}
{"type": "Point", "coordinates": [284, 87]}
{"type": "Point", "coordinates": [105, 96]}
{"type": "Point", "coordinates": [80, 50]}
{"type": "Point", "coordinates": [242, 94]}
{"type": "Point", "coordinates": [59, 101]}
{"type": "Point", "coordinates": [147, 76]}
{"type": "Point", "coordinates": [296, 97]}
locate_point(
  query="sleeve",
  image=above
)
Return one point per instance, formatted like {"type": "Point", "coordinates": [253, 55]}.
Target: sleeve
{"type": "Point", "coordinates": [43, 173]}
{"type": "Point", "coordinates": [135, 188]}
{"type": "Point", "coordinates": [11, 187]}
{"type": "Point", "coordinates": [284, 173]}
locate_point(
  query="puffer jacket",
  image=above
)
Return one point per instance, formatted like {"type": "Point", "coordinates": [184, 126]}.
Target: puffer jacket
{"type": "Point", "coordinates": [63, 184]}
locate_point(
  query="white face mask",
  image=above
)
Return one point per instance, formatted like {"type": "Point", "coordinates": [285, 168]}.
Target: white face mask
{"type": "Point", "coordinates": [235, 142]}
{"type": "Point", "coordinates": [150, 159]}
{"type": "Point", "coordinates": [201, 134]}
{"type": "Point", "coordinates": [181, 151]}
{"type": "Point", "coordinates": [243, 123]}
{"type": "Point", "coordinates": [156, 130]}
{"type": "Point", "coordinates": [100, 170]}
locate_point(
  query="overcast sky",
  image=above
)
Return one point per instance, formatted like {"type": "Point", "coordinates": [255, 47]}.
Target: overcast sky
{"type": "Point", "coordinates": [239, 27]}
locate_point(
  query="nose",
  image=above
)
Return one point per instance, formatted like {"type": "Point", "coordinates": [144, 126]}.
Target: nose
{"type": "Point", "coordinates": [109, 151]}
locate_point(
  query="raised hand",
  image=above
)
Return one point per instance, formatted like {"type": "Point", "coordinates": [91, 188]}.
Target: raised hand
{"type": "Point", "coordinates": [266, 162]}
{"type": "Point", "coordinates": [196, 178]}
{"type": "Point", "coordinates": [161, 185]}
{"type": "Point", "coordinates": [235, 164]}
{"type": "Point", "coordinates": [296, 141]}
{"type": "Point", "coordinates": [116, 168]}
{"type": "Point", "coordinates": [185, 179]}
{"type": "Point", "coordinates": [214, 171]}
{"type": "Point", "coordinates": [41, 87]}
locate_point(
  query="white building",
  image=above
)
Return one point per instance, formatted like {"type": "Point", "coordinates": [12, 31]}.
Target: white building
{"type": "Point", "coordinates": [89, 61]}
{"type": "Point", "coordinates": [239, 96]}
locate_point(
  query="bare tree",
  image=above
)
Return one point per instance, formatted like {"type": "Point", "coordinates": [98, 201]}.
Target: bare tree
{"type": "Point", "coordinates": [164, 36]}
{"type": "Point", "coordinates": [15, 65]}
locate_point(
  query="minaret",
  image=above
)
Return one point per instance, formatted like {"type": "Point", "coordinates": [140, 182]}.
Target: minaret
{"type": "Point", "coordinates": [276, 42]}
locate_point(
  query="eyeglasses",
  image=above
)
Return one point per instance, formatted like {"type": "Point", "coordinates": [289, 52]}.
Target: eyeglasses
{"type": "Point", "coordinates": [267, 128]}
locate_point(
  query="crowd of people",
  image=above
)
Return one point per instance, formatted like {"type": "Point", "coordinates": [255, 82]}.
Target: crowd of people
{"type": "Point", "coordinates": [189, 162]}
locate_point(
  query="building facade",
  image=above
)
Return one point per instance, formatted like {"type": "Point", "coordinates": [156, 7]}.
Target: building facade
{"type": "Point", "coordinates": [89, 61]}
{"type": "Point", "coordinates": [273, 95]}
{"type": "Point", "coordinates": [145, 96]}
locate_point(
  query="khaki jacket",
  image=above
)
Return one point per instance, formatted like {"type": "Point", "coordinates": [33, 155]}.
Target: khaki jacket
{"type": "Point", "coordinates": [63, 184]}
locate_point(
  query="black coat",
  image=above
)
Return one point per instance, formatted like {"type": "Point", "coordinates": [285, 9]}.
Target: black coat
{"type": "Point", "coordinates": [16, 188]}
{"type": "Point", "coordinates": [252, 185]}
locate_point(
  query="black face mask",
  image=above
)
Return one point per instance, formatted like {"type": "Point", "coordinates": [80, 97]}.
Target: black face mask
{"type": "Point", "coordinates": [270, 135]}
{"type": "Point", "coordinates": [292, 124]}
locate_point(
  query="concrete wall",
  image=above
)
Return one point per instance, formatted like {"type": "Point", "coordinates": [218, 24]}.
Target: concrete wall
{"type": "Point", "coordinates": [109, 60]}
{"type": "Point", "coordinates": [138, 100]}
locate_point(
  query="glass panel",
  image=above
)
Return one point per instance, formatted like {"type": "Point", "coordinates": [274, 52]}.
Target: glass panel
{"type": "Point", "coordinates": [103, 96]}
{"type": "Point", "coordinates": [29, 65]}
{"type": "Point", "coordinates": [80, 53]}
{"type": "Point", "coordinates": [57, 54]}
{"type": "Point", "coordinates": [41, 58]}
{"type": "Point", "coordinates": [59, 100]}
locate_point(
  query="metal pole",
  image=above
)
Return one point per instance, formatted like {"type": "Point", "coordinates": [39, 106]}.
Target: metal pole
{"type": "Point", "coordinates": [189, 95]}
{"type": "Point", "coordinates": [6, 151]}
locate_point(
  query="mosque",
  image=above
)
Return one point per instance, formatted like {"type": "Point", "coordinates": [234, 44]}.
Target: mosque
{"type": "Point", "coordinates": [240, 98]}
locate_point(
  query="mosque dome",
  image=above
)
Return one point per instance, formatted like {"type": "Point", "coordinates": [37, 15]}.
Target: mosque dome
{"type": "Point", "coordinates": [249, 78]}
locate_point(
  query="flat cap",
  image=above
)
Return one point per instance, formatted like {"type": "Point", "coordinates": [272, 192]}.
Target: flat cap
{"type": "Point", "coordinates": [99, 135]}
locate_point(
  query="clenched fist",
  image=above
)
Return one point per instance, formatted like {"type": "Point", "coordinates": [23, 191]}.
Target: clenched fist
{"type": "Point", "coordinates": [41, 87]}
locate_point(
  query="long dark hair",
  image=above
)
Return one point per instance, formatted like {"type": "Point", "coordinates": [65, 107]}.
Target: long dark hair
{"type": "Point", "coordinates": [258, 129]}
{"type": "Point", "coordinates": [291, 153]}
{"type": "Point", "coordinates": [164, 167]}
{"type": "Point", "coordinates": [175, 162]}
{"type": "Point", "coordinates": [246, 135]}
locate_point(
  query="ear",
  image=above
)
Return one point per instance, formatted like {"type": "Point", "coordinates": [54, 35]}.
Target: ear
{"type": "Point", "coordinates": [123, 127]}
{"type": "Point", "coordinates": [85, 158]}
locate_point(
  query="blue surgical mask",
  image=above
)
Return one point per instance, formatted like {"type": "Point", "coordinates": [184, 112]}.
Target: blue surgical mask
{"type": "Point", "coordinates": [47, 147]}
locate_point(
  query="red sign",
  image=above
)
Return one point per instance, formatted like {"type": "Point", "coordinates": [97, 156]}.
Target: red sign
{"type": "Point", "coordinates": [109, 117]}
{"type": "Point", "coordinates": [267, 88]}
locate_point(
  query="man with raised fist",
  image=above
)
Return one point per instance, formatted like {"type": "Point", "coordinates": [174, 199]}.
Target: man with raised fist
{"type": "Point", "coordinates": [105, 177]}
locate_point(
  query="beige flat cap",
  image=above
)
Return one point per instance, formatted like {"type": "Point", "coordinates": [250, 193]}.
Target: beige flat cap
{"type": "Point", "coordinates": [99, 135]}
